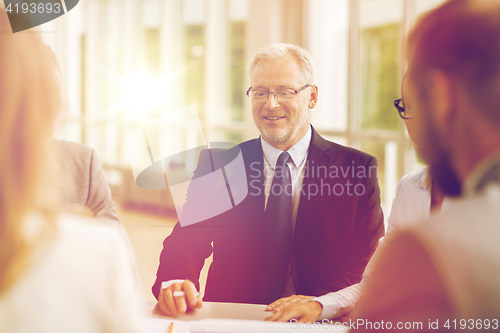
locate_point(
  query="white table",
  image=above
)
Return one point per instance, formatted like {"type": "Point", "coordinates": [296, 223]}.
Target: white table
{"type": "Point", "coordinates": [218, 310]}
{"type": "Point", "coordinates": [228, 317]}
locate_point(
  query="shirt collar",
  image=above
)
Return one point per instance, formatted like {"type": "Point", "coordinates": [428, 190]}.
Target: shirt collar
{"type": "Point", "coordinates": [298, 151]}
{"type": "Point", "coordinates": [485, 171]}
{"type": "Point", "coordinates": [425, 181]}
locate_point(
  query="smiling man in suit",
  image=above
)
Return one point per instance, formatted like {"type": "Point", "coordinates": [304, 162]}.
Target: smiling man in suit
{"type": "Point", "coordinates": [312, 216]}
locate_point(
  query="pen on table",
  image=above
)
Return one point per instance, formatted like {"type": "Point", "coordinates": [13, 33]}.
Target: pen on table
{"type": "Point", "coordinates": [171, 328]}
{"type": "Point", "coordinates": [181, 293]}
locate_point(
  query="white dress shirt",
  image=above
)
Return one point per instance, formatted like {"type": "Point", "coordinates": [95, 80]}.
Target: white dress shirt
{"type": "Point", "coordinates": [411, 206]}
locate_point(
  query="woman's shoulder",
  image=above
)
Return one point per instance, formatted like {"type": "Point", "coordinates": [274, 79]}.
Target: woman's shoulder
{"type": "Point", "coordinates": [413, 181]}
{"type": "Point", "coordinates": [414, 177]}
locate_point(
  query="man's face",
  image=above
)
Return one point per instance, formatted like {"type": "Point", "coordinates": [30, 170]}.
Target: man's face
{"type": "Point", "coordinates": [431, 145]}
{"type": "Point", "coordinates": [282, 123]}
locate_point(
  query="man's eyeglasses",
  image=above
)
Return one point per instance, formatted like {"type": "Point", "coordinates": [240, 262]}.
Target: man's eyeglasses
{"type": "Point", "coordinates": [279, 94]}
{"type": "Point", "coordinates": [401, 109]}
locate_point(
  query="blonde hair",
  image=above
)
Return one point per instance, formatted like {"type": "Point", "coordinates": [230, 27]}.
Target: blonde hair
{"type": "Point", "coordinates": [276, 51]}
{"type": "Point", "coordinates": [29, 103]}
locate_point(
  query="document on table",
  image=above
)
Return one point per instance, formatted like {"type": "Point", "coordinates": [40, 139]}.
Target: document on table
{"type": "Point", "coordinates": [160, 325]}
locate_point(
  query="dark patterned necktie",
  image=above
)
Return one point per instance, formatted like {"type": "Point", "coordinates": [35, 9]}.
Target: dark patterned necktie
{"type": "Point", "coordinates": [278, 229]}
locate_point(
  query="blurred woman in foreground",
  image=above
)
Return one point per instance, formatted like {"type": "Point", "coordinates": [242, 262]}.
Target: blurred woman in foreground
{"type": "Point", "coordinates": [58, 273]}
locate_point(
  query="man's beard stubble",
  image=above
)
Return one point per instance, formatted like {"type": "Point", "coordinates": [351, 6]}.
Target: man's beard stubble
{"type": "Point", "coordinates": [440, 166]}
{"type": "Point", "coordinates": [281, 135]}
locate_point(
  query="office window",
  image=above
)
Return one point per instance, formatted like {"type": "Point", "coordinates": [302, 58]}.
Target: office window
{"type": "Point", "coordinates": [193, 14]}
{"type": "Point", "coordinates": [328, 42]}
{"type": "Point", "coordinates": [380, 75]}
{"type": "Point", "coordinates": [237, 13]}
{"type": "Point", "coordinates": [379, 84]}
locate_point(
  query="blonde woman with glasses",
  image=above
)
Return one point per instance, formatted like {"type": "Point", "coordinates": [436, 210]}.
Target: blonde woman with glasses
{"type": "Point", "coordinates": [58, 273]}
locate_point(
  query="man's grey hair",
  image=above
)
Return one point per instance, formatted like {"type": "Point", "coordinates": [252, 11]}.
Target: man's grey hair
{"type": "Point", "coordinates": [276, 51]}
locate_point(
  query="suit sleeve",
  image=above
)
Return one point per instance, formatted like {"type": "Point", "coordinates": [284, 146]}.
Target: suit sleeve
{"type": "Point", "coordinates": [186, 248]}
{"type": "Point", "coordinates": [99, 202]}
{"type": "Point", "coordinates": [368, 226]}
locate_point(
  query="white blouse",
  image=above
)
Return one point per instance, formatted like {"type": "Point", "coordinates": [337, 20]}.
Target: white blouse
{"type": "Point", "coordinates": [81, 281]}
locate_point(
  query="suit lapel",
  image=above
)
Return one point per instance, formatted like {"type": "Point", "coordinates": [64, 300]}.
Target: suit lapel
{"type": "Point", "coordinates": [254, 162]}
{"type": "Point", "coordinates": [317, 156]}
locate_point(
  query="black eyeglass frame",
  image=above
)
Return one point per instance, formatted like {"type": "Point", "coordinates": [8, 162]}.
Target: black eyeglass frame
{"type": "Point", "coordinates": [401, 108]}
{"type": "Point", "coordinates": [274, 92]}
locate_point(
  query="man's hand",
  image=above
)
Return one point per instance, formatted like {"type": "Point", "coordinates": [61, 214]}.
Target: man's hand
{"type": "Point", "coordinates": [286, 301]}
{"type": "Point", "coordinates": [305, 312]}
{"type": "Point", "coordinates": [174, 305]}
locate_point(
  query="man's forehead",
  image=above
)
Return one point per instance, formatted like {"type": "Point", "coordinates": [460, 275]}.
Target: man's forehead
{"type": "Point", "coordinates": [281, 71]}
{"type": "Point", "coordinates": [273, 81]}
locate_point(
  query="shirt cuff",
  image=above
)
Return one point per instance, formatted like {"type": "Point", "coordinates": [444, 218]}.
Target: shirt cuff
{"type": "Point", "coordinates": [166, 284]}
{"type": "Point", "coordinates": [342, 302]}
{"type": "Point", "coordinates": [330, 306]}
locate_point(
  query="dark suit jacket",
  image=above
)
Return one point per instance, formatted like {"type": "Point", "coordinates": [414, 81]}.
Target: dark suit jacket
{"type": "Point", "coordinates": [335, 234]}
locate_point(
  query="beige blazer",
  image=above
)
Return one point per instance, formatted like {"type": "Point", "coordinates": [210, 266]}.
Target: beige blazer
{"type": "Point", "coordinates": [80, 181]}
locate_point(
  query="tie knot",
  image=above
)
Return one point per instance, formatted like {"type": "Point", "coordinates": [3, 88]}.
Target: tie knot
{"type": "Point", "coordinates": [283, 158]}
